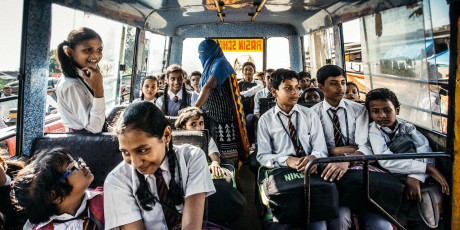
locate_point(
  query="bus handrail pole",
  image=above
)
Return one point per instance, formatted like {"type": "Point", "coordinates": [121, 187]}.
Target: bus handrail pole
{"type": "Point", "coordinates": [364, 158]}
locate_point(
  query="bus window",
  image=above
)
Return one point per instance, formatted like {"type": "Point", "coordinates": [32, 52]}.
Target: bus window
{"type": "Point", "coordinates": [190, 57]}
{"type": "Point", "coordinates": [395, 52]}
{"type": "Point", "coordinates": [66, 19]}
{"type": "Point", "coordinates": [353, 56]}
{"type": "Point", "coordinates": [155, 54]}
{"type": "Point", "coordinates": [278, 53]}
{"type": "Point", "coordinates": [320, 49]}
{"type": "Point", "coordinates": [306, 50]}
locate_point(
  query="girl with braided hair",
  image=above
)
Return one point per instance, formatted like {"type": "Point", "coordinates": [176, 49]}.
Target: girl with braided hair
{"type": "Point", "coordinates": [176, 96]}
{"type": "Point", "coordinates": [158, 185]}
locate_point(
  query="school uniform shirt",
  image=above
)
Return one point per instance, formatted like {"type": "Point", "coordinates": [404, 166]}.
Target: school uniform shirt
{"type": "Point", "coordinates": [194, 97]}
{"type": "Point", "coordinates": [79, 109]}
{"type": "Point", "coordinates": [261, 94]}
{"type": "Point", "coordinates": [173, 107]}
{"type": "Point", "coordinates": [212, 147]}
{"type": "Point", "coordinates": [71, 224]}
{"type": "Point", "coordinates": [358, 124]}
{"type": "Point", "coordinates": [7, 105]}
{"type": "Point", "coordinates": [379, 138]}
{"type": "Point", "coordinates": [121, 205]}
{"type": "Point", "coordinates": [274, 143]}
{"type": "Point", "coordinates": [252, 91]}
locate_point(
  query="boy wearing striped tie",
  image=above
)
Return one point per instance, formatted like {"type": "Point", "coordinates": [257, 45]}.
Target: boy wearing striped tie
{"type": "Point", "coordinates": [346, 131]}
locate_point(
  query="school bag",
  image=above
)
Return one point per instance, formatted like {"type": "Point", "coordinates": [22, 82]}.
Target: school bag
{"type": "Point", "coordinates": [282, 189]}
{"type": "Point", "coordinates": [384, 189]}
{"type": "Point", "coordinates": [227, 204]}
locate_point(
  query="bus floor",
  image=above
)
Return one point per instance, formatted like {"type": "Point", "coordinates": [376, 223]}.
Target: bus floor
{"type": "Point", "coordinates": [249, 218]}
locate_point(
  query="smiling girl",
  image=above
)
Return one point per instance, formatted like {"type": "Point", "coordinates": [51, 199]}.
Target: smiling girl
{"type": "Point", "coordinates": [157, 180]}
{"type": "Point", "coordinates": [176, 96]}
{"type": "Point", "coordinates": [149, 89]}
{"type": "Point", "coordinates": [80, 92]}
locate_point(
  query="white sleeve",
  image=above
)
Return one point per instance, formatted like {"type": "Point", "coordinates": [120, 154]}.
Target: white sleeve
{"type": "Point", "coordinates": [264, 148]}
{"type": "Point", "coordinates": [362, 133]}
{"type": "Point", "coordinates": [213, 148]}
{"type": "Point", "coordinates": [120, 205]}
{"type": "Point", "coordinates": [317, 139]}
{"type": "Point", "coordinates": [252, 91]}
{"type": "Point", "coordinates": [199, 178]}
{"type": "Point", "coordinates": [256, 103]}
{"type": "Point", "coordinates": [159, 102]}
{"type": "Point", "coordinates": [51, 101]}
{"type": "Point", "coordinates": [93, 119]}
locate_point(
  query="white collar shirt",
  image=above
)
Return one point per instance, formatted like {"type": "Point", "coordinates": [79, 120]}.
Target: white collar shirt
{"type": "Point", "coordinates": [69, 225]}
{"type": "Point", "coordinates": [358, 124]}
{"type": "Point", "coordinates": [379, 138]}
{"type": "Point", "coordinates": [172, 95]}
{"type": "Point", "coordinates": [121, 205]}
{"type": "Point", "coordinates": [252, 91]}
{"type": "Point", "coordinates": [79, 109]}
{"type": "Point", "coordinates": [261, 94]}
{"type": "Point", "coordinates": [275, 144]}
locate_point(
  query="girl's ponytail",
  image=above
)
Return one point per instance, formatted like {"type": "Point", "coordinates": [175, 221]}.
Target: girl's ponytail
{"type": "Point", "coordinates": [65, 62]}
{"type": "Point", "coordinates": [164, 108]}
{"type": "Point", "coordinates": [174, 193]}
{"type": "Point", "coordinates": [184, 104]}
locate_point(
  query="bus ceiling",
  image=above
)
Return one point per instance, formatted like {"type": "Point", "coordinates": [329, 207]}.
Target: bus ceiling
{"type": "Point", "coordinates": [164, 17]}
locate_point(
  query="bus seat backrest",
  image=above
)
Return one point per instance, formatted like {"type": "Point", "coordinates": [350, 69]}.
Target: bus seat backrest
{"type": "Point", "coordinates": [113, 114]}
{"type": "Point", "coordinates": [101, 151]}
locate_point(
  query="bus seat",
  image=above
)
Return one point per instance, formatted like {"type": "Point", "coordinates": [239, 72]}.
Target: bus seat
{"type": "Point", "coordinates": [172, 120]}
{"type": "Point", "coordinates": [113, 114]}
{"type": "Point", "coordinates": [101, 151]}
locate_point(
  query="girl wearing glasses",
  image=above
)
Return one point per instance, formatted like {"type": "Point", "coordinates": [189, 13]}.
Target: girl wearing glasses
{"type": "Point", "coordinates": [53, 191]}
{"type": "Point", "coordinates": [159, 185]}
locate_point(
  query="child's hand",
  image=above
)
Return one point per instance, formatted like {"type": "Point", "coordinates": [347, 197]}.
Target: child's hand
{"type": "Point", "coordinates": [335, 170]}
{"type": "Point", "coordinates": [292, 162]}
{"type": "Point", "coordinates": [94, 79]}
{"type": "Point", "coordinates": [412, 189]}
{"type": "Point", "coordinates": [433, 172]}
{"type": "Point", "coordinates": [302, 162]}
{"type": "Point", "coordinates": [215, 169]}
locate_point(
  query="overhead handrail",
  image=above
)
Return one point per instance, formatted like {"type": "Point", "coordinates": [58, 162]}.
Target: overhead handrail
{"type": "Point", "coordinates": [365, 159]}
{"type": "Point", "coordinates": [216, 2]}
{"type": "Point", "coordinates": [258, 10]}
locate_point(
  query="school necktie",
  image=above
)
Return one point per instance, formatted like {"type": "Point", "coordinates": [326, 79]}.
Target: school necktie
{"type": "Point", "coordinates": [270, 95]}
{"type": "Point", "coordinates": [171, 219]}
{"type": "Point", "coordinates": [293, 135]}
{"type": "Point", "coordinates": [175, 99]}
{"type": "Point", "coordinates": [338, 138]}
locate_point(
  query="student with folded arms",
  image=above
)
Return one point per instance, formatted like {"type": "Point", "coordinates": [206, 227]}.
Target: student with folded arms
{"type": "Point", "coordinates": [265, 93]}
{"type": "Point", "coordinates": [346, 130]}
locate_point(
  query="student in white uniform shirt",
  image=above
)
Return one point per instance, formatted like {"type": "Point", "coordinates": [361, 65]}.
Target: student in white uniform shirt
{"type": "Point", "coordinates": [57, 197]}
{"type": "Point", "coordinates": [156, 178]}
{"type": "Point", "coordinates": [80, 92]}
{"type": "Point", "coordinates": [290, 135]}
{"type": "Point", "coordinates": [195, 78]}
{"type": "Point", "coordinates": [176, 96]}
{"type": "Point", "coordinates": [391, 135]}
{"type": "Point", "coordinates": [346, 130]}
{"type": "Point", "coordinates": [149, 89]}
{"type": "Point", "coordinates": [266, 92]}
{"type": "Point", "coordinates": [193, 119]}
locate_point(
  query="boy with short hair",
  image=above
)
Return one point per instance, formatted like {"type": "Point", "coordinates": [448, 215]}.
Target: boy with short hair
{"type": "Point", "coordinates": [389, 134]}
{"type": "Point", "coordinates": [288, 134]}
{"type": "Point", "coordinates": [304, 81]}
{"type": "Point", "coordinates": [346, 130]}
{"type": "Point", "coordinates": [265, 93]}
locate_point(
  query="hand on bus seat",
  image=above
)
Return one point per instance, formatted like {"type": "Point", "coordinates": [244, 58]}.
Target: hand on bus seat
{"type": "Point", "coordinates": [433, 172]}
{"type": "Point", "coordinates": [335, 171]}
{"type": "Point", "coordinates": [299, 163]}
{"type": "Point", "coordinates": [412, 189]}
{"type": "Point", "coordinates": [339, 151]}
{"type": "Point", "coordinates": [94, 79]}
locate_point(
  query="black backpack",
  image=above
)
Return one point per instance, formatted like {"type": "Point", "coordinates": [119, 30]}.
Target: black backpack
{"type": "Point", "coordinates": [284, 189]}
{"type": "Point", "coordinates": [227, 204]}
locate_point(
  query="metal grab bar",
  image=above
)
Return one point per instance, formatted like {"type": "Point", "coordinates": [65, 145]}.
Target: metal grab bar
{"type": "Point", "coordinates": [10, 98]}
{"type": "Point", "coordinates": [365, 159]}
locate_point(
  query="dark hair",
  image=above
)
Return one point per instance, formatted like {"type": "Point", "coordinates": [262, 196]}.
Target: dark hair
{"type": "Point", "coordinates": [269, 71]}
{"type": "Point", "coordinates": [304, 74]}
{"type": "Point", "coordinates": [32, 186]}
{"type": "Point", "coordinates": [312, 89]}
{"type": "Point", "coordinates": [353, 84]}
{"type": "Point", "coordinates": [195, 73]}
{"type": "Point", "coordinates": [281, 75]}
{"type": "Point", "coordinates": [260, 74]}
{"type": "Point", "coordinates": [146, 117]}
{"type": "Point", "coordinates": [150, 77]}
{"type": "Point", "coordinates": [186, 114]}
{"type": "Point", "coordinates": [327, 71]}
{"type": "Point", "coordinates": [174, 69]}
{"type": "Point", "coordinates": [383, 94]}
{"type": "Point", "coordinates": [161, 76]}
{"type": "Point", "coordinates": [249, 63]}
{"type": "Point", "coordinates": [75, 37]}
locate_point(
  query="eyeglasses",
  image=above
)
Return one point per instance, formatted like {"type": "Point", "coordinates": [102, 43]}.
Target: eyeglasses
{"type": "Point", "coordinates": [76, 166]}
